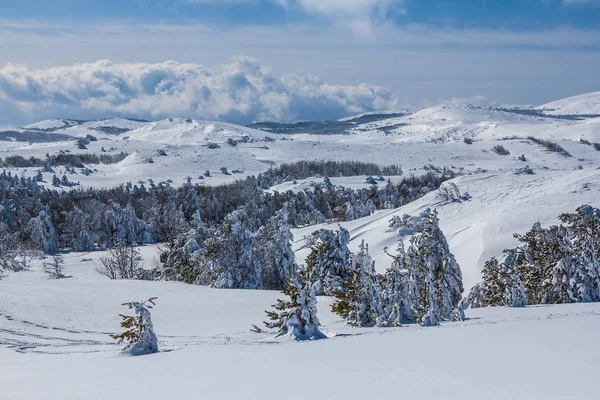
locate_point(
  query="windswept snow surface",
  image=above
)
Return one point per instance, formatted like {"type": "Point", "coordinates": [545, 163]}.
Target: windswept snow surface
{"type": "Point", "coordinates": [54, 345]}
{"type": "Point", "coordinates": [54, 341]}
{"type": "Point", "coordinates": [588, 103]}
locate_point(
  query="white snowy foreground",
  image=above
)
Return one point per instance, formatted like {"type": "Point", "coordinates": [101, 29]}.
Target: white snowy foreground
{"type": "Point", "coordinates": [54, 344]}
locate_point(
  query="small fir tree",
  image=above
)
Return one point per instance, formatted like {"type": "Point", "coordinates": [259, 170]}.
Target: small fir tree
{"type": "Point", "coordinates": [298, 315]}
{"type": "Point", "coordinates": [139, 335]}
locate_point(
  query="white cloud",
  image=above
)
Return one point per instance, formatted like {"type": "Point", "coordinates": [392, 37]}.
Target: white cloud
{"type": "Point", "coordinates": [415, 62]}
{"type": "Point", "coordinates": [357, 14]}
{"type": "Point", "coordinates": [327, 7]}
{"type": "Point", "coordinates": [242, 91]}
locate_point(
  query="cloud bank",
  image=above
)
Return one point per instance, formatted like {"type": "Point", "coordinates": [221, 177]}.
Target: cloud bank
{"type": "Point", "coordinates": [241, 92]}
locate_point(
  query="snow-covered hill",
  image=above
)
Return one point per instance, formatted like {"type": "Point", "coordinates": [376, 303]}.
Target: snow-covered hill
{"type": "Point", "coordinates": [588, 103]}
{"type": "Point", "coordinates": [454, 121]}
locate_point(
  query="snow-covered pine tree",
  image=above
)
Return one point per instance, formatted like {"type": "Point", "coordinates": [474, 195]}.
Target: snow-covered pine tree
{"type": "Point", "coordinates": [173, 220]}
{"type": "Point", "coordinates": [42, 233]}
{"type": "Point", "coordinates": [329, 260]}
{"type": "Point", "coordinates": [584, 226]}
{"type": "Point", "coordinates": [274, 243]}
{"type": "Point", "coordinates": [139, 335]}
{"type": "Point", "coordinates": [76, 234]}
{"type": "Point", "coordinates": [395, 293]}
{"type": "Point", "coordinates": [575, 277]}
{"type": "Point", "coordinates": [358, 299]}
{"type": "Point", "coordinates": [557, 263]}
{"type": "Point", "coordinates": [501, 282]}
{"type": "Point", "coordinates": [435, 279]}
{"type": "Point", "coordinates": [298, 315]}
{"type": "Point", "coordinates": [232, 255]}
{"type": "Point", "coordinates": [536, 259]}
{"type": "Point", "coordinates": [476, 297]}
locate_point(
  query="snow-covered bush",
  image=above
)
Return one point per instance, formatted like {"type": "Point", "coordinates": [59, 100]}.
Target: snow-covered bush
{"type": "Point", "coordinates": [500, 150]}
{"type": "Point", "coordinates": [526, 170]}
{"type": "Point", "coordinates": [139, 335]}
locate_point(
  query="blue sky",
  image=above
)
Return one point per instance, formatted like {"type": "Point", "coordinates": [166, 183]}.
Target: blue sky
{"type": "Point", "coordinates": [420, 51]}
{"type": "Point", "coordinates": [512, 14]}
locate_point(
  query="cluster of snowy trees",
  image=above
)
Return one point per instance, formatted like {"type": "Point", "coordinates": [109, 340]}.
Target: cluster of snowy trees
{"type": "Point", "coordinates": [85, 219]}
{"type": "Point", "coordinates": [423, 284]}
{"type": "Point", "coordinates": [558, 264]}
{"type": "Point", "coordinates": [305, 169]}
{"type": "Point", "coordinates": [62, 158]}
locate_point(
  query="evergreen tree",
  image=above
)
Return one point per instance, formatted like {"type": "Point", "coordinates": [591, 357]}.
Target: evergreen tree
{"type": "Point", "coordinates": [396, 296]}
{"type": "Point", "coordinates": [358, 298]}
{"type": "Point", "coordinates": [298, 315]}
{"type": "Point", "coordinates": [139, 335]}
{"type": "Point", "coordinates": [42, 234]}
{"type": "Point", "coordinates": [232, 254]}
{"type": "Point", "coordinates": [274, 243]}
{"type": "Point", "coordinates": [329, 260]}
{"type": "Point", "coordinates": [501, 282]}
{"type": "Point", "coordinates": [435, 279]}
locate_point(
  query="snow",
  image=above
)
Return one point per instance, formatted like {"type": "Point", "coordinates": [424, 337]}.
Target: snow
{"type": "Point", "coordinates": [48, 124]}
{"type": "Point", "coordinates": [588, 103]}
{"type": "Point", "coordinates": [55, 345]}
{"type": "Point", "coordinates": [54, 341]}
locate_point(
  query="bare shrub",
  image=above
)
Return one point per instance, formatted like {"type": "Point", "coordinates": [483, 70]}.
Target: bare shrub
{"type": "Point", "coordinates": [310, 240]}
{"type": "Point", "coordinates": [54, 268]}
{"type": "Point", "coordinates": [14, 255]}
{"type": "Point", "coordinates": [449, 192]}
{"type": "Point", "coordinates": [121, 262]}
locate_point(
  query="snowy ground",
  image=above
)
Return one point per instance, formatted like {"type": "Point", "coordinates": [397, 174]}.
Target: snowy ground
{"type": "Point", "coordinates": [54, 341]}
{"type": "Point", "coordinates": [54, 344]}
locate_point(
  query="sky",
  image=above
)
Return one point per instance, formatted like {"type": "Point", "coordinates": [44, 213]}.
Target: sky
{"type": "Point", "coordinates": [248, 60]}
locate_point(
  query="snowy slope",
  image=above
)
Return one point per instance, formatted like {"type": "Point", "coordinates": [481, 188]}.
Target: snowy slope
{"type": "Point", "coordinates": [55, 346]}
{"type": "Point", "coordinates": [454, 121]}
{"type": "Point", "coordinates": [188, 131]}
{"type": "Point", "coordinates": [502, 204]}
{"type": "Point", "coordinates": [51, 124]}
{"type": "Point", "coordinates": [588, 103]}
